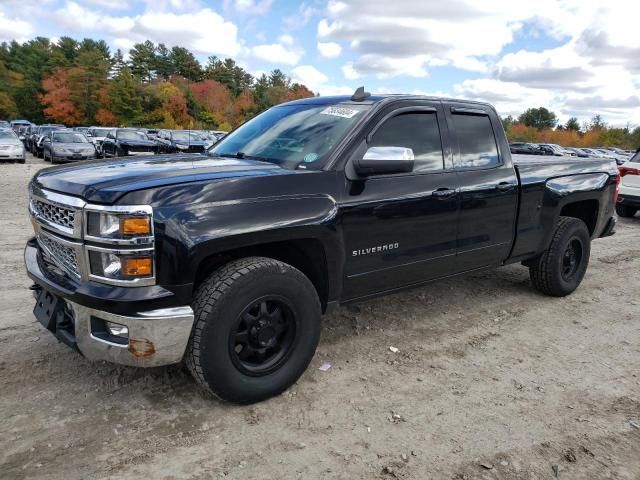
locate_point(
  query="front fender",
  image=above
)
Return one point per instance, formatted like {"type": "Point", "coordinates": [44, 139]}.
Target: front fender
{"type": "Point", "coordinates": [195, 233]}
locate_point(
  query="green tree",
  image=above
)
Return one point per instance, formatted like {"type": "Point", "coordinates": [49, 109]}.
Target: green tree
{"type": "Point", "coordinates": [228, 73]}
{"type": "Point", "coordinates": [143, 61]}
{"type": "Point", "coordinates": [184, 63]}
{"type": "Point", "coordinates": [507, 122]}
{"type": "Point", "coordinates": [86, 81]}
{"type": "Point", "coordinates": [163, 67]}
{"type": "Point", "coordinates": [572, 124]}
{"type": "Point", "coordinates": [125, 101]}
{"type": "Point", "coordinates": [540, 118]}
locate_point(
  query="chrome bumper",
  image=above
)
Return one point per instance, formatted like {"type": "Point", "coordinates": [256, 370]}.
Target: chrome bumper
{"type": "Point", "coordinates": [156, 337]}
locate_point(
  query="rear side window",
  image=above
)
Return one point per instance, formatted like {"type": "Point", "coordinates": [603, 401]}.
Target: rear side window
{"type": "Point", "coordinates": [476, 141]}
{"type": "Point", "coordinates": [418, 131]}
{"type": "Point", "coordinates": [636, 157]}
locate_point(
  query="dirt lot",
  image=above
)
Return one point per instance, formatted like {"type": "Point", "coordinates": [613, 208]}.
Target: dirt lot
{"type": "Point", "coordinates": [488, 372]}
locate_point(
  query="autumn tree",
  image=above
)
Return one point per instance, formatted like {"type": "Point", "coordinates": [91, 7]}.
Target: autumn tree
{"type": "Point", "coordinates": [57, 98]}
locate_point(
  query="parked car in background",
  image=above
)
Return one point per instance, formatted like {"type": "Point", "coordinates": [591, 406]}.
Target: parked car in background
{"type": "Point", "coordinates": [180, 141]}
{"type": "Point", "coordinates": [22, 134]}
{"type": "Point", "coordinates": [152, 133]}
{"type": "Point", "coordinates": [83, 130]}
{"type": "Point", "coordinates": [11, 148]}
{"type": "Point", "coordinates": [208, 138]}
{"type": "Point", "coordinates": [16, 124]}
{"type": "Point", "coordinates": [629, 197]}
{"type": "Point", "coordinates": [577, 152]}
{"type": "Point", "coordinates": [97, 136]}
{"type": "Point", "coordinates": [40, 133]}
{"type": "Point", "coordinates": [62, 146]}
{"type": "Point", "coordinates": [5, 124]}
{"type": "Point", "coordinates": [122, 142]}
{"type": "Point", "coordinates": [524, 148]}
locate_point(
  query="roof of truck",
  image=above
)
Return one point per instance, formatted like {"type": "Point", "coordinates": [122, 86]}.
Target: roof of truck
{"type": "Point", "coordinates": [374, 98]}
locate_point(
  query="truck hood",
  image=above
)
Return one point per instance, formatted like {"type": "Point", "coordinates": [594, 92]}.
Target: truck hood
{"type": "Point", "coordinates": [105, 181]}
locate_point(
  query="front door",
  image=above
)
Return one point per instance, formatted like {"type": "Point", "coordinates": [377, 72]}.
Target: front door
{"type": "Point", "coordinates": [401, 229]}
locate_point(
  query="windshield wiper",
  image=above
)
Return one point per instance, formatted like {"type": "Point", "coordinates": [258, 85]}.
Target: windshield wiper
{"type": "Point", "coordinates": [244, 156]}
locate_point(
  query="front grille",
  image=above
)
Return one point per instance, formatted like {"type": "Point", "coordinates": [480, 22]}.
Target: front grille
{"type": "Point", "coordinates": [61, 216]}
{"type": "Point", "coordinates": [61, 254]}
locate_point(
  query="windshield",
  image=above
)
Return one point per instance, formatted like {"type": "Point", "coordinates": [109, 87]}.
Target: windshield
{"type": "Point", "coordinates": [292, 136]}
{"type": "Point", "coordinates": [186, 136]}
{"type": "Point", "coordinates": [46, 130]}
{"type": "Point", "coordinates": [131, 135]}
{"type": "Point", "coordinates": [6, 134]}
{"type": "Point", "coordinates": [636, 157]}
{"type": "Point", "coordinates": [100, 132]}
{"type": "Point", "coordinates": [69, 138]}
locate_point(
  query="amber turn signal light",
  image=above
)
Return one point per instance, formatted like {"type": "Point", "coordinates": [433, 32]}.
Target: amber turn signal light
{"type": "Point", "coordinates": [137, 267]}
{"type": "Point", "coordinates": [135, 226]}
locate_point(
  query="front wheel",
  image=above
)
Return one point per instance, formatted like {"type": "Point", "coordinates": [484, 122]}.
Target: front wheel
{"type": "Point", "coordinates": [625, 211]}
{"type": "Point", "coordinates": [256, 329]}
{"type": "Point", "coordinates": [559, 270]}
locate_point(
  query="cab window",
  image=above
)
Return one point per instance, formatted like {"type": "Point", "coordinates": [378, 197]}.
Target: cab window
{"type": "Point", "coordinates": [418, 131]}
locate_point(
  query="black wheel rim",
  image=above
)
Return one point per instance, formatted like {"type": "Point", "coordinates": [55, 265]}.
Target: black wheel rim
{"type": "Point", "coordinates": [263, 336]}
{"type": "Point", "coordinates": [572, 259]}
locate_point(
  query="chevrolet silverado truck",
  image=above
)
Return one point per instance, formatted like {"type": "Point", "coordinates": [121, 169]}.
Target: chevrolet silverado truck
{"type": "Point", "coordinates": [227, 260]}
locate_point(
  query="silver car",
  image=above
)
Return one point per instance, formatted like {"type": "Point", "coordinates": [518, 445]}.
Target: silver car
{"type": "Point", "coordinates": [11, 148]}
{"type": "Point", "coordinates": [67, 146]}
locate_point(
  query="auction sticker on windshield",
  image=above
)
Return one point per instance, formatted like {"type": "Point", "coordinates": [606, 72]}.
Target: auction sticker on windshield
{"type": "Point", "coordinates": [339, 112]}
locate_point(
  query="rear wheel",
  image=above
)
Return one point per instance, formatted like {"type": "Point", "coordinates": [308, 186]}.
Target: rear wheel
{"type": "Point", "coordinates": [257, 327]}
{"type": "Point", "coordinates": [625, 211]}
{"type": "Point", "coordinates": [561, 268]}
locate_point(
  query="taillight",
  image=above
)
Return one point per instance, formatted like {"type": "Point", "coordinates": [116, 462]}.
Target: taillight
{"type": "Point", "coordinates": [615, 195]}
{"type": "Point", "coordinates": [624, 170]}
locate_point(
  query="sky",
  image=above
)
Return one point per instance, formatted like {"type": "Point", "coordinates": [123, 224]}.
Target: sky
{"type": "Point", "coordinates": [575, 57]}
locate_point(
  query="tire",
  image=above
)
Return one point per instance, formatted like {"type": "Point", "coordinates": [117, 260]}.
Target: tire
{"type": "Point", "coordinates": [229, 302]}
{"type": "Point", "coordinates": [561, 268]}
{"type": "Point", "coordinates": [625, 211]}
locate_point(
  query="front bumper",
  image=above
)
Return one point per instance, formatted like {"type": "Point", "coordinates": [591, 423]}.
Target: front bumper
{"type": "Point", "coordinates": [155, 338]}
{"type": "Point", "coordinates": [158, 321]}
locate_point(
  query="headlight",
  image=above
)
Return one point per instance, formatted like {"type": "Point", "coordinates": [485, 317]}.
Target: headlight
{"type": "Point", "coordinates": [127, 227]}
{"type": "Point", "coordinates": [120, 265]}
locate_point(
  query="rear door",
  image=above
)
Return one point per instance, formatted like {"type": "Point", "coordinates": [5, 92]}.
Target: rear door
{"type": "Point", "coordinates": [488, 186]}
{"type": "Point", "coordinates": [401, 229]}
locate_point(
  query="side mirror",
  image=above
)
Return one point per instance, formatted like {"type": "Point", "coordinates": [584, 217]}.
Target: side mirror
{"type": "Point", "coordinates": [385, 161]}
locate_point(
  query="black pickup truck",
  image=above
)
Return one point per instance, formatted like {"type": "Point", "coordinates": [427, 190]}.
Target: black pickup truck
{"type": "Point", "coordinates": [227, 260]}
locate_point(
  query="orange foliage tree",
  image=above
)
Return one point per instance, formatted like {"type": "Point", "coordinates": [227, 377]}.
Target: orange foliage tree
{"type": "Point", "coordinates": [56, 98]}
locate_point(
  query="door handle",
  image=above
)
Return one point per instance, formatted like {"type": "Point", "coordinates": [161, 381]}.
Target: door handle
{"type": "Point", "coordinates": [443, 192]}
{"type": "Point", "coordinates": [505, 186]}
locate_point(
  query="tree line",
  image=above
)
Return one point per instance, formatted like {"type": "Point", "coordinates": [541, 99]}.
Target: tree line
{"type": "Point", "coordinates": [84, 83]}
{"type": "Point", "coordinates": [540, 125]}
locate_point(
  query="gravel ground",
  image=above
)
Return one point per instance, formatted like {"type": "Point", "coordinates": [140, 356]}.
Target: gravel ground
{"type": "Point", "coordinates": [491, 380]}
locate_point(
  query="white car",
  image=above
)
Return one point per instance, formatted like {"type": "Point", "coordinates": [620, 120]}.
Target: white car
{"type": "Point", "coordinates": [11, 148]}
{"type": "Point", "coordinates": [97, 136]}
{"type": "Point", "coordinates": [629, 194]}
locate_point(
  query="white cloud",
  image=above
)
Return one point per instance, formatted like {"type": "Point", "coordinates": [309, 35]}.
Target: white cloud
{"type": "Point", "coordinates": [278, 53]}
{"type": "Point", "coordinates": [329, 49]}
{"type": "Point", "coordinates": [309, 76]}
{"type": "Point", "coordinates": [252, 7]}
{"type": "Point", "coordinates": [204, 32]}
{"type": "Point", "coordinates": [14, 29]}
{"type": "Point", "coordinates": [300, 19]}
{"type": "Point", "coordinates": [349, 72]}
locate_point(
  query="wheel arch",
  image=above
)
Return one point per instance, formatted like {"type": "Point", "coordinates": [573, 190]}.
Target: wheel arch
{"type": "Point", "coordinates": [307, 254]}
